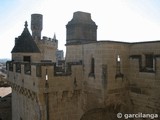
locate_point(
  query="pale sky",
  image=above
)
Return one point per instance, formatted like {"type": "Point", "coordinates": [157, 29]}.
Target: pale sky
{"type": "Point", "coordinates": [119, 20]}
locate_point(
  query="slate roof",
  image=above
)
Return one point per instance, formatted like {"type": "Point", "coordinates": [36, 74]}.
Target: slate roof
{"type": "Point", "coordinates": [25, 43]}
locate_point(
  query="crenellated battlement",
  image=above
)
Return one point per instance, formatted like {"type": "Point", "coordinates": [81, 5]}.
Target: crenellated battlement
{"type": "Point", "coordinates": [47, 41]}
{"type": "Point", "coordinates": [35, 76]}
{"type": "Point", "coordinates": [38, 69]}
{"type": "Point", "coordinates": [48, 47]}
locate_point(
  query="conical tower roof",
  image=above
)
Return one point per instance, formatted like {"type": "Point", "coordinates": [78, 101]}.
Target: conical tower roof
{"type": "Point", "coordinates": [25, 43]}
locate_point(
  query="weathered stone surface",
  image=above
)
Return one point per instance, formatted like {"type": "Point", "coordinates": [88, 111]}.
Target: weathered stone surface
{"type": "Point", "coordinates": [99, 80]}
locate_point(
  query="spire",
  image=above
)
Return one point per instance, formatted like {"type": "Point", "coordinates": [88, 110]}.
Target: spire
{"type": "Point", "coordinates": [54, 37]}
{"type": "Point", "coordinates": [26, 24]}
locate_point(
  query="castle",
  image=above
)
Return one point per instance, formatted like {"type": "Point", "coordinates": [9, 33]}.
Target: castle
{"type": "Point", "coordinates": [97, 80]}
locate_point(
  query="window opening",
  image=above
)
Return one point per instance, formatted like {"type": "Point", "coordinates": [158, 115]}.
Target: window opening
{"type": "Point", "coordinates": [27, 58]}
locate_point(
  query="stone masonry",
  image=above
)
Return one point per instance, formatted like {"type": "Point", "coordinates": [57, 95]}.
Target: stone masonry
{"type": "Point", "coordinates": [97, 80]}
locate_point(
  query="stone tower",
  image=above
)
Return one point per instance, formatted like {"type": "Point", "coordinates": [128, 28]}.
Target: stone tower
{"type": "Point", "coordinates": [36, 25]}
{"type": "Point", "coordinates": [25, 49]}
{"type": "Point", "coordinates": [81, 29]}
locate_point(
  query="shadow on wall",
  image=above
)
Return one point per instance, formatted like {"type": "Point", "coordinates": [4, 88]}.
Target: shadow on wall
{"type": "Point", "coordinates": [108, 113]}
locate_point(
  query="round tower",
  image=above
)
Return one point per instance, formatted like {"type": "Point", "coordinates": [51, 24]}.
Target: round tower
{"type": "Point", "coordinates": [81, 29]}
{"type": "Point", "coordinates": [36, 25]}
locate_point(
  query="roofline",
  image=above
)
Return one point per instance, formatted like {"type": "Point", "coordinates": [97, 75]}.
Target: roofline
{"type": "Point", "coordinates": [141, 42]}
{"type": "Point", "coordinates": [112, 41]}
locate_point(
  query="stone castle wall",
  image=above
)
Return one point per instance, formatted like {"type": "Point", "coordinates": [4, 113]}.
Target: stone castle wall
{"type": "Point", "coordinates": [144, 85]}
{"type": "Point", "coordinates": [97, 80]}
{"type": "Point", "coordinates": [141, 86]}
{"type": "Point", "coordinates": [111, 85]}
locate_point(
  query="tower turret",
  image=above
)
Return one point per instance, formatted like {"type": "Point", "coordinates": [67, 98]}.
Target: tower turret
{"type": "Point", "coordinates": [81, 29]}
{"type": "Point", "coordinates": [36, 25]}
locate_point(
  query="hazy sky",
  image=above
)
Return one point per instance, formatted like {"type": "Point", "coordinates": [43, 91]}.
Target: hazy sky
{"type": "Point", "coordinates": [120, 20]}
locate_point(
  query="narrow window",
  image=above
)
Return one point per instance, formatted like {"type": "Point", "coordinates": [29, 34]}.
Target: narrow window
{"type": "Point", "coordinates": [92, 69]}
{"type": "Point", "coordinates": [118, 68]}
{"type": "Point", "coordinates": [92, 65]}
{"type": "Point", "coordinates": [118, 59]}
